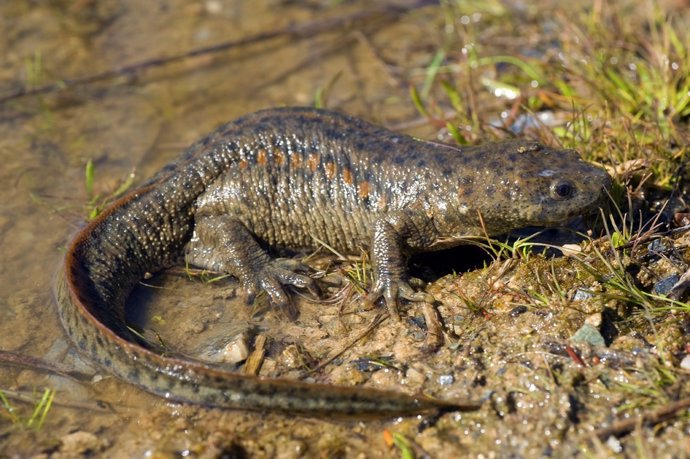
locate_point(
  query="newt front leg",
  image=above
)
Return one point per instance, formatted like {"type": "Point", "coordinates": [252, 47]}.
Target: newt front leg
{"type": "Point", "coordinates": [394, 236]}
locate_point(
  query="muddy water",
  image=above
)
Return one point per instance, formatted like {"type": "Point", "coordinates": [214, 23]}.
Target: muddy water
{"type": "Point", "coordinates": [135, 124]}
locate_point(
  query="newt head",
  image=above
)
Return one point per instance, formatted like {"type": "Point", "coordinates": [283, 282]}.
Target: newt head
{"type": "Point", "coordinates": [519, 183]}
{"type": "Point", "coordinates": [553, 186]}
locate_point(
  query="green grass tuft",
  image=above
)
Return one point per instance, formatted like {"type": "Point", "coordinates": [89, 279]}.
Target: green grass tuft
{"type": "Point", "coordinates": [34, 420]}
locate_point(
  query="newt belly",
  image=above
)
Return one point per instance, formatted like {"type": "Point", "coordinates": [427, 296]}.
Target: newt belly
{"type": "Point", "coordinates": [289, 178]}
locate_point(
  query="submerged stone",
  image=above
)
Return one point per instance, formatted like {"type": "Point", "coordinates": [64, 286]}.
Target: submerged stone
{"type": "Point", "coordinates": [588, 334]}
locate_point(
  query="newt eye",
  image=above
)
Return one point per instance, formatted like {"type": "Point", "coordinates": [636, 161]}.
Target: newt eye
{"type": "Point", "coordinates": [562, 189]}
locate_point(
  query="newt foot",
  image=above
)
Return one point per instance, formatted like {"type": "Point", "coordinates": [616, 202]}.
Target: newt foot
{"type": "Point", "coordinates": [272, 278]}
{"type": "Point", "coordinates": [391, 290]}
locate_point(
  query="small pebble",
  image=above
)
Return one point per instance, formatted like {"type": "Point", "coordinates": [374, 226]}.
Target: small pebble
{"type": "Point", "coordinates": [685, 363]}
{"type": "Point", "coordinates": [234, 351]}
{"type": "Point", "coordinates": [588, 334]}
{"type": "Point", "coordinates": [666, 284]}
{"type": "Point", "coordinates": [594, 320]}
{"type": "Point", "coordinates": [656, 246]}
{"type": "Point", "coordinates": [292, 357]}
{"type": "Point", "coordinates": [570, 250]}
{"type": "Point", "coordinates": [415, 377]}
{"type": "Point", "coordinates": [614, 444]}
{"type": "Point", "coordinates": [518, 310]}
{"type": "Point", "coordinates": [581, 295]}
{"type": "Point", "coordinates": [417, 321]}
{"type": "Point", "coordinates": [446, 380]}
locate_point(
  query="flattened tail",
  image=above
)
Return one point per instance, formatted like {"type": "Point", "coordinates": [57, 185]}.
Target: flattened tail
{"type": "Point", "coordinates": [390, 403]}
{"type": "Point", "coordinates": [194, 382]}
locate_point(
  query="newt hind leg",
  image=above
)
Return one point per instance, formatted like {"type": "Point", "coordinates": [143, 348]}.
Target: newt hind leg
{"type": "Point", "coordinates": [222, 243]}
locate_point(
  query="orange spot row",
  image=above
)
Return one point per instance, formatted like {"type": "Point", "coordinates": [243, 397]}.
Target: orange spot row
{"type": "Point", "coordinates": [363, 189]}
{"type": "Point", "coordinates": [296, 160]}
{"type": "Point", "coordinates": [279, 157]}
{"type": "Point", "coordinates": [330, 168]}
{"type": "Point", "coordinates": [261, 157]}
{"type": "Point", "coordinates": [347, 176]}
{"type": "Point", "coordinates": [313, 162]}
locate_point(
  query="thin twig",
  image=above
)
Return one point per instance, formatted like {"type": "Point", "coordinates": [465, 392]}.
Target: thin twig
{"type": "Point", "coordinates": [32, 363]}
{"type": "Point", "coordinates": [434, 329]}
{"type": "Point", "coordinates": [298, 31]}
{"type": "Point", "coordinates": [256, 358]}
{"type": "Point", "coordinates": [652, 417]}
{"type": "Point", "coordinates": [374, 323]}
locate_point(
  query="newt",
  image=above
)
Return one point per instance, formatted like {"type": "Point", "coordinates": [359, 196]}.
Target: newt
{"type": "Point", "coordinates": [295, 178]}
